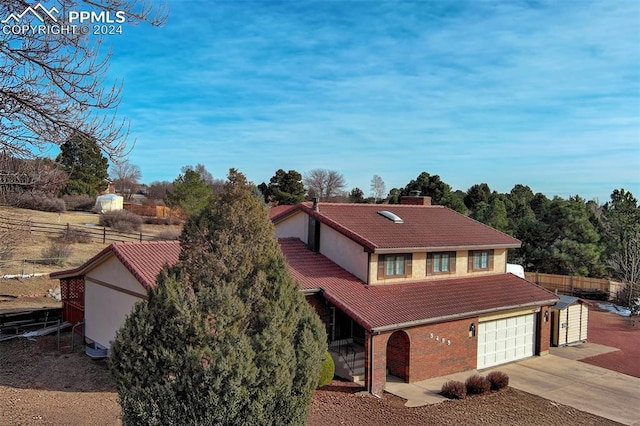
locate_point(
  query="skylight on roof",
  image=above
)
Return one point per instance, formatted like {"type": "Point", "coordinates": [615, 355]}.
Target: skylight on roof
{"type": "Point", "coordinates": [391, 216]}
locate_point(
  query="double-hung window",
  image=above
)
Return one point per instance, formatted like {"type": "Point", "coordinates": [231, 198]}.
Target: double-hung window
{"type": "Point", "coordinates": [441, 263]}
{"type": "Point", "coordinates": [394, 266]}
{"type": "Point", "coordinates": [481, 260]}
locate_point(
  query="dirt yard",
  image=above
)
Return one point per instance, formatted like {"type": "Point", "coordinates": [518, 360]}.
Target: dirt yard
{"type": "Point", "coordinates": [40, 385]}
{"type": "Point", "coordinates": [619, 332]}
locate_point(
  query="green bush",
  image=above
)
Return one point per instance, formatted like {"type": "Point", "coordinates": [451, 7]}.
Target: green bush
{"type": "Point", "coordinates": [477, 385]}
{"type": "Point", "coordinates": [498, 380]}
{"type": "Point", "coordinates": [327, 371]}
{"type": "Point", "coordinates": [453, 389]}
{"type": "Point", "coordinates": [121, 220]}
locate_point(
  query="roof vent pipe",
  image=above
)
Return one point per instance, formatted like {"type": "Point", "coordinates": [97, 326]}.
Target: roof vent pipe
{"type": "Point", "coordinates": [315, 204]}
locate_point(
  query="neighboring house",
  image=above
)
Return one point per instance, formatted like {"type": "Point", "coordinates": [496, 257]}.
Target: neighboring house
{"type": "Point", "coordinates": [412, 290]}
{"type": "Point", "coordinates": [416, 291]}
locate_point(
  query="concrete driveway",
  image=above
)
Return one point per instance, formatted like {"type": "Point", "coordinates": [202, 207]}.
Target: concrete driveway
{"type": "Point", "coordinates": [586, 387]}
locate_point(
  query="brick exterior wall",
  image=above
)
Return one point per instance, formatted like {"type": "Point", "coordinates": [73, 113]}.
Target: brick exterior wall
{"type": "Point", "coordinates": [428, 357]}
{"type": "Point", "coordinates": [398, 360]}
{"type": "Point", "coordinates": [430, 353]}
{"type": "Point", "coordinates": [543, 332]}
{"type": "Point", "coordinates": [433, 356]}
{"type": "Point", "coordinates": [375, 382]}
{"type": "Point", "coordinates": [322, 308]}
{"type": "Point", "coordinates": [416, 200]}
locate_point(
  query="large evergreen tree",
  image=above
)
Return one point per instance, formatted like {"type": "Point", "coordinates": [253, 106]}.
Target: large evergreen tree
{"type": "Point", "coordinates": [81, 158]}
{"type": "Point", "coordinates": [283, 188]}
{"type": "Point", "coordinates": [190, 191]}
{"type": "Point", "coordinates": [229, 338]}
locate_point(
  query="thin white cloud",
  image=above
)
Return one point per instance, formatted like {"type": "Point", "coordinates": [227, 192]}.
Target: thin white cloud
{"type": "Point", "coordinates": [493, 92]}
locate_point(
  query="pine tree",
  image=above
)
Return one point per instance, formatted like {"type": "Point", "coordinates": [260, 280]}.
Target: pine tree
{"type": "Point", "coordinates": [250, 347]}
{"type": "Point", "coordinates": [81, 158]}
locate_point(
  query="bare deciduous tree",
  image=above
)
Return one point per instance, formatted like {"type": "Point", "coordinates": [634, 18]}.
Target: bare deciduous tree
{"type": "Point", "coordinates": [625, 265]}
{"type": "Point", "coordinates": [52, 85]}
{"type": "Point", "coordinates": [324, 183]}
{"type": "Point", "coordinates": [378, 188]}
{"type": "Point", "coordinates": [158, 190]}
{"type": "Point", "coordinates": [126, 177]}
{"type": "Point", "coordinates": [19, 176]}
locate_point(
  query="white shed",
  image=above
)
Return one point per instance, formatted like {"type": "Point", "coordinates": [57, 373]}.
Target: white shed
{"type": "Point", "coordinates": [569, 321]}
{"type": "Point", "coordinates": [108, 203]}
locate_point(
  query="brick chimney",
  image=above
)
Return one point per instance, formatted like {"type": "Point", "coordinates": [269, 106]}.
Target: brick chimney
{"type": "Point", "coordinates": [416, 200]}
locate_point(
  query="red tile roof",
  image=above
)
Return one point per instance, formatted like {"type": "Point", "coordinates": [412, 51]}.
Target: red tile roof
{"type": "Point", "coordinates": [143, 259]}
{"type": "Point", "coordinates": [424, 227]}
{"type": "Point", "coordinates": [391, 306]}
{"type": "Point", "coordinates": [373, 307]}
{"type": "Point", "coordinates": [280, 210]}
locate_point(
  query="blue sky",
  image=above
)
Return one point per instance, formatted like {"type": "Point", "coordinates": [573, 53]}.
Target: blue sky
{"type": "Point", "coordinates": [540, 93]}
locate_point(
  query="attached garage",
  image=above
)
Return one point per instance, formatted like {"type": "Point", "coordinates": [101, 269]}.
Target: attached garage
{"type": "Point", "coordinates": [569, 320]}
{"type": "Point", "coordinates": [504, 340]}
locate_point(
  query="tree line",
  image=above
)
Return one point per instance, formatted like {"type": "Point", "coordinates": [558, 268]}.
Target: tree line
{"type": "Point", "coordinates": [570, 236]}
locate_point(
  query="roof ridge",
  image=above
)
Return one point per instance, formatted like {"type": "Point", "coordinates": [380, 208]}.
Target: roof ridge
{"type": "Point", "coordinates": [146, 242]}
{"type": "Point", "coordinates": [484, 224]}
{"type": "Point", "coordinates": [349, 233]}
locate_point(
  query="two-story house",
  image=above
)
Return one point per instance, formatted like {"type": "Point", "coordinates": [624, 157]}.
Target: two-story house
{"type": "Point", "coordinates": [412, 290]}
{"type": "Point", "coordinates": [416, 291]}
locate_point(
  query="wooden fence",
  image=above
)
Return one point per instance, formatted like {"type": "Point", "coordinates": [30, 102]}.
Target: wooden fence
{"type": "Point", "coordinates": [99, 234]}
{"type": "Point", "coordinates": [155, 211]}
{"type": "Point", "coordinates": [574, 286]}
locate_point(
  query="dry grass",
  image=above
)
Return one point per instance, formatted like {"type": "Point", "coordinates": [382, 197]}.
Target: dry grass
{"type": "Point", "coordinates": [32, 245]}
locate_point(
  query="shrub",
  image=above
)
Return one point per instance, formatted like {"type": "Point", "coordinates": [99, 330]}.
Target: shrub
{"type": "Point", "coordinates": [10, 241]}
{"type": "Point", "coordinates": [82, 203]}
{"type": "Point", "coordinates": [56, 254]}
{"type": "Point", "coordinates": [121, 220]}
{"type": "Point", "coordinates": [75, 235]}
{"type": "Point", "coordinates": [453, 389]}
{"type": "Point", "coordinates": [477, 385]}
{"type": "Point", "coordinates": [168, 235]}
{"type": "Point", "coordinates": [40, 202]}
{"type": "Point", "coordinates": [327, 371]}
{"type": "Point", "coordinates": [498, 380]}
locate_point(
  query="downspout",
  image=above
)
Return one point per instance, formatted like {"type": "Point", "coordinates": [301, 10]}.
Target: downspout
{"type": "Point", "coordinates": [370, 381]}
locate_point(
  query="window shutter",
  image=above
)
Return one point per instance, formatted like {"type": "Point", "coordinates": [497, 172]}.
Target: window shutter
{"type": "Point", "coordinates": [470, 261]}
{"type": "Point", "coordinates": [380, 266]}
{"type": "Point", "coordinates": [452, 262]}
{"type": "Point", "coordinates": [491, 260]}
{"type": "Point", "coordinates": [429, 263]}
{"type": "Point", "coordinates": [407, 265]}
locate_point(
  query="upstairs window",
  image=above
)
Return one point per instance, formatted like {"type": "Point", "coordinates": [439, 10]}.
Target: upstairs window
{"type": "Point", "coordinates": [441, 263]}
{"type": "Point", "coordinates": [480, 260]}
{"type": "Point", "coordinates": [394, 266]}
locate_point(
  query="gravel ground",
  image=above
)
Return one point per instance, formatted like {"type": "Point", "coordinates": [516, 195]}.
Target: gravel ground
{"type": "Point", "coordinates": [41, 385]}
{"type": "Point", "coordinates": [619, 332]}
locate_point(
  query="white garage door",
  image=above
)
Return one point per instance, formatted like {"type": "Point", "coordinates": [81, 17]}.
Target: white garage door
{"type": "Point", "coordinates": [505, 340]}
